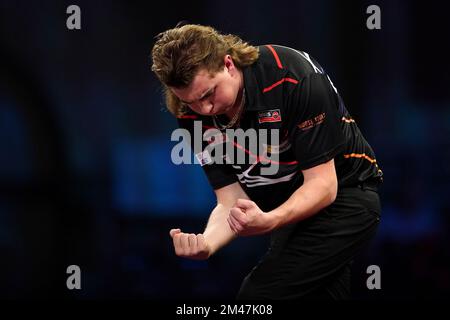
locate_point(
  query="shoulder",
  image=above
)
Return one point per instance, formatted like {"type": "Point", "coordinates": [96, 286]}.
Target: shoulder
{"type": "Point", "coordinates": [296, 62]}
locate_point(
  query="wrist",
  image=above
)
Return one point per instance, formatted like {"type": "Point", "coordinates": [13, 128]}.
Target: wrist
{"type": "Point", "coordinates": [213, 243]}
{"type": "Point", "coordinates": [277, 217]}
{"type": "Point", "coordinates": [209, 244]}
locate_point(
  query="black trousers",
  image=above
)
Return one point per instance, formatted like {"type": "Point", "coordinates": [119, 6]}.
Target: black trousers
{"type": "Point", "coordinates": [312, 259]}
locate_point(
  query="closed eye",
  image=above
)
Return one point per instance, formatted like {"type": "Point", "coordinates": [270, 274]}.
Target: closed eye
{"type": "Point", "coordinates": [209, 94]}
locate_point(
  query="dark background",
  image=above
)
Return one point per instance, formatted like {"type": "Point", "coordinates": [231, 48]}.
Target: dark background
{"type": "Point", "coordinates": [85, 170]}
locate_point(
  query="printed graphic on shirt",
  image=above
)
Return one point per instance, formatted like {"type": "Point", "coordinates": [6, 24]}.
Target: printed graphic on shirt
{"type": "Point", "coordinates": [257, 180]}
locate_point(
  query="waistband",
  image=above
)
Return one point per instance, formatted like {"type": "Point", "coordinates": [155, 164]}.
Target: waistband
{"type": "Point", "coordinates": [370, 184]}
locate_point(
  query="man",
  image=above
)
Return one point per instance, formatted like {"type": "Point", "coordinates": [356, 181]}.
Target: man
{"type": "Point", "coordinates": [321, 206]}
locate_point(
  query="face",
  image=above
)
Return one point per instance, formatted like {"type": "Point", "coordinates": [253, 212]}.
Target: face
{"type": "Point", "coordinates": [212, 95]}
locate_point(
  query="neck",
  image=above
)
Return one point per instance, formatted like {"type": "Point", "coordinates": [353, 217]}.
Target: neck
{"type": "Point", "coordinates": [239, 98]}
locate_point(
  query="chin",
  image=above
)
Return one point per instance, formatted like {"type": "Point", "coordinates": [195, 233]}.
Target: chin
{"type": "Point", "coordinates": [228, 108]}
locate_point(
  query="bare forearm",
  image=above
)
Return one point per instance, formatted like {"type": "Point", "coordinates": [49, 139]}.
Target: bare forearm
{"type": "Point", "coordinates": [217, 232]}
{"type": "Point", "coordinates": [306, 201]}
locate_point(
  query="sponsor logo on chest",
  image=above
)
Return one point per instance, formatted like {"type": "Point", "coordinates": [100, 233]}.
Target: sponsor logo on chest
{"type": "Point", "coordinates": [269, 116]}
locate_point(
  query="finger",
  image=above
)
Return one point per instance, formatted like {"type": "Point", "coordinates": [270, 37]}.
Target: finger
{"type": "Point", "coordinates": [177, 243]}
{"type": "Point", "coordinates": [237, 225]}
{"type": "Point", "coordinates": [174, 232]}
{"type": "Point", "coordinates": [232, 226]}
{"type": "Point", "coordinates": [192, 239]}
{"type": "Point", "coordinates": [238, 215]}
{"type": "Point", "coordinates": [184, 243]}
{"type": "Point", "coordinates": [244, 204]}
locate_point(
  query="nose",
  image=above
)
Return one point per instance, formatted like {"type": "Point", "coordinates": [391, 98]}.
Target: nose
{"type": "Point", "coordinates": [207, 107]}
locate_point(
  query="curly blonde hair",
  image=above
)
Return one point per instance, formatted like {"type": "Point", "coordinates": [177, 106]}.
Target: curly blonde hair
{"type": "Point", "coordinates": [179, 53]}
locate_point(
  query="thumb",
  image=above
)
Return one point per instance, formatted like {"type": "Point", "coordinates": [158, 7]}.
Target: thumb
{"type": "Point", "coordinates": [173, 232]}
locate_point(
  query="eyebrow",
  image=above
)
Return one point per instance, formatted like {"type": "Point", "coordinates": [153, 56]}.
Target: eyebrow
{"type": "Point", "coordinates": [201, 97]}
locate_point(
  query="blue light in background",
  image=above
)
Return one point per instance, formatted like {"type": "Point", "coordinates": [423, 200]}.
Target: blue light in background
{"type": "Point", "coordinates": [15, 159]}
{"type": "Point", "coordinates": [145, 181]}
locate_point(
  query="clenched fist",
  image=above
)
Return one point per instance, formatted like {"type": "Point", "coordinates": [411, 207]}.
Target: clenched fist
{"type": "Point", "coordinates": [247, 219]}
{"type": "Point", "coordinates": [189, 245]}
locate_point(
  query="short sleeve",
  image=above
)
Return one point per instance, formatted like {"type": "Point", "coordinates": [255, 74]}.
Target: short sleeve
{"type": "Point", "coordinates": [315, 126]}
{"type": "Point", "coordinates": [219, 175]}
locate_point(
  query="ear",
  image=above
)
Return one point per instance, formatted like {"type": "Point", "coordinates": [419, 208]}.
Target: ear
{"type": "Point", "coordinates": [228, 62]}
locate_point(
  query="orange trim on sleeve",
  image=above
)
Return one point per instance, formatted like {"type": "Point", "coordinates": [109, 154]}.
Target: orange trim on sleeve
{"type": "Point", "coordinates": [359, 155]}
{"type": "Point", "coordinates": [364, 156]}
{"type": "Point", "coordinates": [347, 120]}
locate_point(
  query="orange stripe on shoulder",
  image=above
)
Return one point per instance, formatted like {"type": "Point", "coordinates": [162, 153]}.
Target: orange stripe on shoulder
{"type": "Point", "coordinates": [278, 83]}
{"type": "Point", "coordinates": [277, 59]}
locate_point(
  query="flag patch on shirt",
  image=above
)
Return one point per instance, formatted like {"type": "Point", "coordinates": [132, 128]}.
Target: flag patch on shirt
{"type": "Point", "coordinates": [269, 116]}
{"type": "Point", "coordinates": [204, 158]}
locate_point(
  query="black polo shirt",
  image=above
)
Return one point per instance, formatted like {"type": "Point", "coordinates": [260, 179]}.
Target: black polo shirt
{"type": "Point", "coordinates": [288, 91]}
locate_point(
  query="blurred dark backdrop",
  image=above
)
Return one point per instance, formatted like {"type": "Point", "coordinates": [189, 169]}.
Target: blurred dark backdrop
{"type": "Point", "coordinates": [85, 170]}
